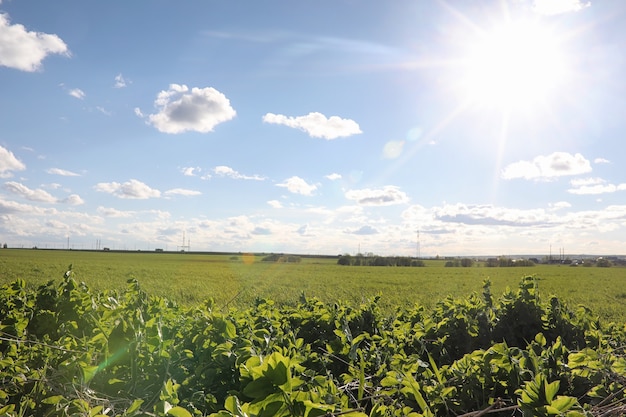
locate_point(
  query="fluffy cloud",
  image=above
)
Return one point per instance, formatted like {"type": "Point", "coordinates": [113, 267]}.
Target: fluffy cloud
{"type": "Point", "coordinates": [594, 186]}
{"type": "Point", "coordinates": [317, 125]}
{"type": "Point", "coordinates": [297, 185]}
{"type": "Point", "coordinates": [489, 215]}
{"type": "Point", "coordinates": [62, 172]}
{"type": "Point", "coordinates": [132, 189]}
{"type": "Point", "coordinates": [190, 171]}
{"type": "Point", "coordinates": [73, 200]}
{"type": "Point", "coordinates": [181, 109]}
{"type": "Point", "coordinates": [8, 163]}
{"type": "Point", "coordinates": [77, 93]}
{"type": "Point", "coordinates": [224, 171]}
{"type": "Point", "coordinates": [387, 196]}
{"type": "Point", "coordinates": [334, 176]}
{"type": "Point", "coordinates": [24, 50]}
{"type": "Point", "coordinates": [552, 7]}
{"type": "Point", "coordinates": [183, 192]}
{"type": "Point", "coordinates": [546, 167]}
{"type": "Point", "coordinates": [275, 204]}
{"type": "Point", "coordinates": [25, 192]}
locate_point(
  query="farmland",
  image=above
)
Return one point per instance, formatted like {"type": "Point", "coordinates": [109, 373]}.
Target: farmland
{"type": "Point", "coordinates": [361, 342]}
{"type": "Point", "coordinates": [235, 281]}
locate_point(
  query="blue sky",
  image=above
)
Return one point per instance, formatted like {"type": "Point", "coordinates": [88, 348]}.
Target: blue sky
{"type": "Point", "coordinates": [484, 127]}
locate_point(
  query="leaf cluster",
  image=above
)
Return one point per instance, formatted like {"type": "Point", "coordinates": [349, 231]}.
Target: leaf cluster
{"type": "Point", "coordinates": [66, 350]}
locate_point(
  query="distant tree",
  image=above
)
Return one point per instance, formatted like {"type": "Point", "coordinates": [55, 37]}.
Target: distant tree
{"type": "Point", "coordinates": [467, 262]}
{"type": "Point", "coordinates": [603, 263]}
{"type": "Point", "coordinates": [344, 260]}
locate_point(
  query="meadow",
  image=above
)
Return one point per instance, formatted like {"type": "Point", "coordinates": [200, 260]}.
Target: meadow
{"type": "Point", "coordinates": [237, 280]}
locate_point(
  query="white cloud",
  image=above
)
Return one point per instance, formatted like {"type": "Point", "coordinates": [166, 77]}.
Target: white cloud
{"type": "Point", "coordinates": [489, 215]}
{"type": "Point", "coordinates": [594, 186]}
{"type": "Point", "coordinates": [553, 7]}
{"type": "Point", "coordinates": [103, 111]}
{"type": "Point", "coordinates": [132, 189]}
{"type": "Point", "coordinates": [112, 212]}
{"type": "Point", "coordinates": [601, 161]}
{"type": "Point", "coordinates": [181, 109]}
{"type": "Point", "coordinates": [183, 192]}
{"type": "Point", "coordinates": [77, 93]}
{"type": "Point", "coordinates": [190, 171]}
{"type": "Point", "coordinates": [388, 195]}
{"type": "Point", "coordinates": [224, 171]}
{"type": "Point", "coordinates": [24, 50]}
{"type": "Point", "coordinates": [363, 230]}
{"type": "Point", "coordinates": [317, 125]}
{"type": "Point", "coordinates": [297, 185]}
{"type": "Point", "coordinates": [546, 167]}
{"type": "Point", "coordinates": [62, 172]}
{"type": "Point", "coordinates": [275, 203]}
{"type": "Point", "coordinates": [334, 176]}
{"type": "Point", "coordinates": [8, 163]}
{"type": "Point", "coordinates": [120, 81]}
{"type": "Point", "coordinates": [73, 200]}
{"type": "Point", "coordinates": [559, 205]}
{"type": "Point", "coordinates": [28, 194]}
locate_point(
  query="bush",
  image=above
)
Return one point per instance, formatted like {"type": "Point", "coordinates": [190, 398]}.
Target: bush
{"type": "Point", "coordinates": [282, 258]}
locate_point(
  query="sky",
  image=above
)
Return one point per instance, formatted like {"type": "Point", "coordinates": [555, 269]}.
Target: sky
{"type": "Point", "coordinates": [413, 128]}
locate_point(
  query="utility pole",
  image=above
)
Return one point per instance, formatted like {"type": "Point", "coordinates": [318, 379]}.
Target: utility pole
{"type": "Point", "coordinates": [418, 244]}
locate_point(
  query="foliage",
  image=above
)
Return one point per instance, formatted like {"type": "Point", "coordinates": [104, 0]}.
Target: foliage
{"type": "Point", "coordinates": [464, 262]}
{"type": "Point", "coordinates": [274, 257]}
{"type": "Point", "coordinates": [67, 350]}
{"type": "Point", "coordinates": [374, 260]}
{"type": "Point", "coordinates": [508, 262]}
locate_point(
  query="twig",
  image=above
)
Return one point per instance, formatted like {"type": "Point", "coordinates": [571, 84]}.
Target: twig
{"type": "Point", "coordinates": [496, 407]}
{"type": "Point", "coordinates": [35, 342]}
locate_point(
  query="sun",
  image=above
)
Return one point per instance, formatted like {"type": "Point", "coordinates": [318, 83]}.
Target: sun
{"type": "Point", "coordinates": [513, 65]}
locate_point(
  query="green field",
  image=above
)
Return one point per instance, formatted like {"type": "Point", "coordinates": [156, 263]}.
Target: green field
{"type": "Point", "coordinates": [235, 281]}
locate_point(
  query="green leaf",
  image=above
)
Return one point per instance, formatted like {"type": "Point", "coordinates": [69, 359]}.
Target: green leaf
{"type": "Point", "coordinates": [178, 412]}
{"type": "Point", "coordinates": [134, 406]}
{"type": "Point", "coordinates": [551, 390]}
{"type": "Point", "coordinates": [278, 374]}
{"type": "Point", "coordinates": [312, 409]}
{"type": "Point", "coordinates": [232, 405]}
{"type": "Point", "coordinates": [259, 388]}
{"type": "Point", "coordinates": [55, 399]}
{"type": "Point", "coordinates": [7, 409]}
{"type": "Point", "coordinates": [575, 414]}
{"type": "Point", "coordinates": [563, 403]}
{"type": "Point", "coordinates": [89, 372]}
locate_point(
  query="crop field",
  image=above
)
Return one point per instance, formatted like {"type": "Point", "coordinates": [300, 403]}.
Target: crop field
{"type": "Point", "coordinates": [236, 281]}
{"type": "Point", "coordinates": [365, 341]}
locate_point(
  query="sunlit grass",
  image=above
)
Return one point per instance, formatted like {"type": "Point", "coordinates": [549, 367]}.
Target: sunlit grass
{"type": "Point", "coordinates": [237, 281]}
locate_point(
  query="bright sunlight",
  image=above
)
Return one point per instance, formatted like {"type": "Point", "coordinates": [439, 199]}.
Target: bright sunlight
{"type": "Point", "coordinates": [512, 65]}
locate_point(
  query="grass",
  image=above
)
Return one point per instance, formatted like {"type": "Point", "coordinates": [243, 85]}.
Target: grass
{"type": "Point", "coordinates": [236, 281]}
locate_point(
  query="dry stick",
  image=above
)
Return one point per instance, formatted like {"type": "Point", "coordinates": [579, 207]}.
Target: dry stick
{"type": "Point", "coordinates": [610, 398]}
{"type": "Point", "coordinates": [496, 407]}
